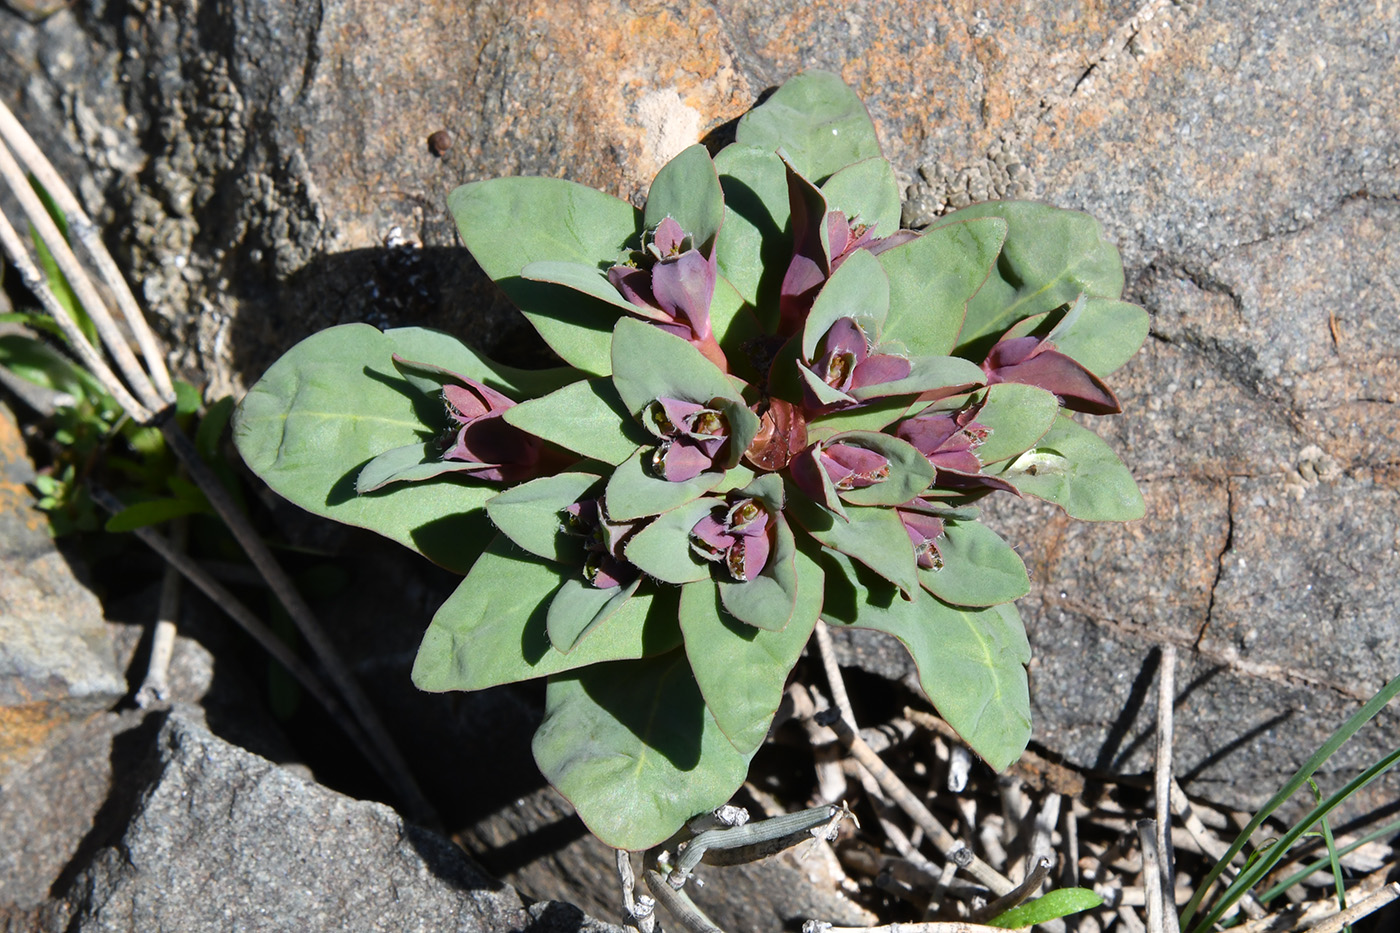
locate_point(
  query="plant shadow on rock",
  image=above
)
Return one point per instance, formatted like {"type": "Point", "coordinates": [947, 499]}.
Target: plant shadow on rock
{"type": "Point", "coordinates": [394, 286]}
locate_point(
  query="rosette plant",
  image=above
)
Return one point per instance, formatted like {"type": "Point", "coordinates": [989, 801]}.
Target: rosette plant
{"type": "Point", "coordinates": [773, 406]}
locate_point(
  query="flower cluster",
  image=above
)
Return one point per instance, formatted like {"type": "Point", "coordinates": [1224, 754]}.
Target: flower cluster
{"type": "Point", "coordinates": [775, 406]}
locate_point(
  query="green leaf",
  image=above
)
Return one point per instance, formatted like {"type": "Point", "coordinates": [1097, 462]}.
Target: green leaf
{"type": "Point", "coordinates": [411, 463]}
{"type": "Point", "coordinates": [35, 361]}
{"type": "Point", "coordinates": [734, 323]}
{"type": "Point", "coordinates": [530, 514]}
{"type": "Point", "coordinates": [334, 402]}
{"type": "Point", "coordinates": [866, 192]}
{"type": "Point", "coordinates": [649, 364]}
{"type": "Point", "coordinates": [1050, 256]}
{"type": "Point", "coordinates": [633, 748]}
{"type": "Point", "coordinates": [1072, 467]}
{"type": "Point", "coordinates": [154, 512]}
{"type": "Point", "coordinates": [508, 223]}
{"type": "Point", "coordinates": [933, 277]}
{"type": "Point", "coordinates": [578, 609]}
{"type": "Point", "coordinates": [979, 568]}
{"type": "Point", "coordinates": [857, 290]}
{"type": "Point", "coordinates": [662, 548]}
{"type": "Point", "coordinates": [687, 190]}
{"type": "Point", "coordinates": [818, 120]}
{"type": "Point", "coordinates": [752, 249]}
{"type": "Point", "coordinates": [874, 536]}
{"type": "Point", "coordinates": [742, 670]}
{"type": "Point", "coordinates": [971, 662]}
{"type": "Point", "coordinates": [586, 417]}
{"type": "Point", "coordinates": [1017, 416]}
{"type": "Point", "coordinates": [634, 493]}
{"type": "Point", "coordinates": [769, 599]}
{"type": "Point", "coordinates": [492, 629]}
{"type": "Point", "coordinates": [910, 471]}
{"type": "Point", "coordinates": [1055, 904]}
{"type": "Point", "coordinates": [582, 278]}
{"type": "Point", "coordinates": [1101, 334]}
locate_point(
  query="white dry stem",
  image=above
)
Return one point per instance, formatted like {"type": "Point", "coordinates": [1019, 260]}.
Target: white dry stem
{"type": "Point", "coordinates": [1034, 879]}
{"type": "Point", "coordinates": [1151, 875]}
{"type": "Point", "coordinates": [959, 765]}
{"type": "Point", "coordinates": [28, 152]}
{"type": "Point", "coordinates": [155, 688]}
{"type": "Point", "coordinates": [907, 801]}
{"type": "Point", "coordinates": [79, 282]}
{"type": "Point", "coordinates": [1211, 845]}
{"type": "Point", "coordinates": [1162, 782]}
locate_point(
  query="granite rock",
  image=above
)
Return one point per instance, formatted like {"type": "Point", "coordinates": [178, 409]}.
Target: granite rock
{"type": "Point", "coordinates": [56, 660]}
{"type": "Point", "coordinates": [287, 853]}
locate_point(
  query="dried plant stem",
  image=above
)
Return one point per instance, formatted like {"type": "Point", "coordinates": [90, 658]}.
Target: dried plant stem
{"type": "Point", "coordinates": [675, 900]}
{"type": "Point", "coordinates": [87, 354]}
{"type": "Point", "coordinates": [387, 753]}
{"type": "Point", "coordinates": [240, 614]}
{"type": "Point", "coordinates": [78, 280]}
{"type": "Point", "coordinates": [29, 153]}
{"type": "Point", "coordinates": [1162, 774]}
{"type": "Point", "coordinates": [833, 672]}
{"type": "Point", "coordinates": [155, 687]}
{"type": "Point", "coordinates": [910, 804]}
{"type": "Point", "coordinates": [1210, 844]}
{"type": "Point", "coordinates": [1360, 909]}
{"type": "Point", "coordinates": [640, 911]}
{"type": "Point", "coordinates": [1151, 875]}
{"type": "Point", "coordinates": [1016, 895]}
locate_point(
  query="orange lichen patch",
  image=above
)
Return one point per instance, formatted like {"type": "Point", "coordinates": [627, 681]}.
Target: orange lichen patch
{"type": "Point", "coordinates": [23, 729]}
{"type": "Point", "coordinates": [15, 497]}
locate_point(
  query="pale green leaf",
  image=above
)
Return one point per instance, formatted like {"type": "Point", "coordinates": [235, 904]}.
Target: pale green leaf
{"type": "Point", "coordinates": [586, 417]}
{"type": "Point", "coordinates": [492, 629]}
{"type": "Point", "coordinates": [979, 568]}
{"type": "Point", "coordinates": [687, 190]}
{"type": "Point", "coordinates": [633, 748]}
{"type": "Point", "coordinates": [818, 120]}
{"type": "Point", "coordinates": [1072, 467]}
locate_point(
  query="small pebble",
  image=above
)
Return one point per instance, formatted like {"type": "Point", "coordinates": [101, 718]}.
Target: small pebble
{"type": "Point", "coordinates": [439, 143]}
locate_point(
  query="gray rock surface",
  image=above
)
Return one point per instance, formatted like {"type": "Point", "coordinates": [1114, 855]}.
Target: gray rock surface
{"type": "Point", "coordinates": [56, 660]}
{"type": "Point", "coordinates": [220, 839]}
{"type": "Point", "coordinates": [251, 161]}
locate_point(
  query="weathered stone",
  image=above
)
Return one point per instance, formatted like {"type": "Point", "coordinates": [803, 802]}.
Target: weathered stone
{"type": "Point", "coordinates": [56, 660]}
{"type": "Point", "coordinates": [287, 855]}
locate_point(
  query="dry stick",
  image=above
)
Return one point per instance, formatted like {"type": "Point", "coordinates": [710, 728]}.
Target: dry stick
{"type": "Point", "coordinates": [155, 688]}
{"type": "Point", "coordinates": [240, 614]}
{"type": "Point", "coordinates": [78, 280]}
{"type": "Point", "coordinates": [1151, 875]}
{"type": "Point", "coordinates": [640, 911]}
{"type": "Point", "coordinates": [1161, 788]}
{"type": "Point", "coordinates": [1360, 909]}
{"type": "Point", "coordinates": [87, 354]}
{"type": "Point", "coordinates": [397, 772]}
{"type": "Point", "coordinates": [1071, 847]}
{"type": "Point", "coordinates": [1017, 894]}
{"type": "Point", "coordinates": [33, 158]}
{"type": "Point", "coordinates": [833, 672]}
{"type": "Point", "coordinates": [1211, 844]}
{"type": "Point", "coordinates": [910, 804]}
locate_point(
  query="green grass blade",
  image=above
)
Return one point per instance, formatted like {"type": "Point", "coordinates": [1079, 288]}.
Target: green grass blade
{"type": "Point", "coordinates": [1349, 728]}
{"type": "Point", "coordinates": [1389, 829]}
{"type": "Point", "coordinates": [1252, 874]}
{"type": "Point", "coordinates": [1338, 884]}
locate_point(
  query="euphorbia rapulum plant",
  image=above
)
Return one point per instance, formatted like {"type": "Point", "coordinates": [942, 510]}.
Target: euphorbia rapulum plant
{"type": "Point", "coordinates": [775, 406]}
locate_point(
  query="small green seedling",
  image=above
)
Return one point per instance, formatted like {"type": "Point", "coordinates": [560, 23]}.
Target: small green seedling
{"type": "Point", "coordinates": [775, 406]}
